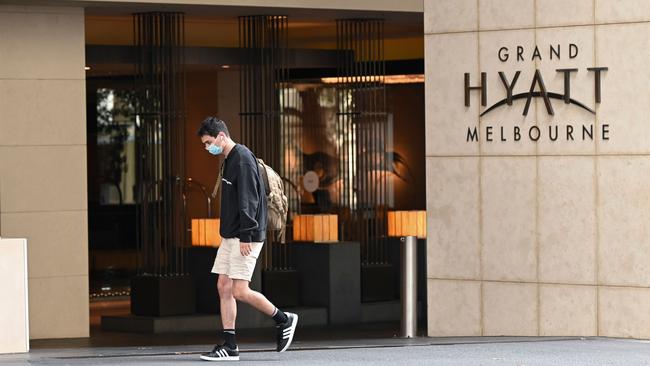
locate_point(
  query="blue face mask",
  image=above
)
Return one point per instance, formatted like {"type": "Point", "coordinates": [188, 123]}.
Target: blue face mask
{"type": "Point", "coordinates": [214, 149]}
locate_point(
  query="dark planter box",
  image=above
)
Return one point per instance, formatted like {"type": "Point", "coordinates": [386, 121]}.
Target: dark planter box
{"type": "Point", "coordinates": [282, 287]}
{"type": "Point", "coordinates": [201, 260]}
{"type": "Point", "coordinates": [377, 282]}
{"type": "Point", "coordinates": [162, 295]}
{"type": "Point", "coordinates": [330, 277]}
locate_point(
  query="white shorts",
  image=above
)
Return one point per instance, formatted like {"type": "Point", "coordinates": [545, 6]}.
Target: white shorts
{"type": "Point", "coordinates": [231, 263]}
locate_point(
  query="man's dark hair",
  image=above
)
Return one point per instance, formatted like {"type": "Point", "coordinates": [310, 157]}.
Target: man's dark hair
{"type": "Point", "coordinates": [212, 126]}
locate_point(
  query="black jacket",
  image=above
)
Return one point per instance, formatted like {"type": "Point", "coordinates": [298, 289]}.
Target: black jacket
{"type": "Point", "coordinates": [243, 199]}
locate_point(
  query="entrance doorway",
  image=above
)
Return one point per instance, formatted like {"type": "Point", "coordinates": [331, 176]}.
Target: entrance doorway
{"type": "Point", "coordinates": [363, 166]}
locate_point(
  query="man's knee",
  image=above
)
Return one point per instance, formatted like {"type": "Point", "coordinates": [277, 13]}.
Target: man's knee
{"type": "Point", "coordinates": [240, 291]}
{"type": "Point", "coordinates": [224, 286]}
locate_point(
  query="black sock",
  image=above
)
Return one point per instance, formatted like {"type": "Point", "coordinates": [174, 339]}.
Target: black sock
{"type": "Point", "coordinates": [279, 316]}
{"type": "Point", "coordinates": [229, 335]}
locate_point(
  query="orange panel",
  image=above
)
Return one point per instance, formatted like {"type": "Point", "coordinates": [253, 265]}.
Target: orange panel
{"type": "Point", "coordinates": [422, 224]}
{"type": "Point", "coordinates": [318, 228]}
{"type": "Point", "coordinates": [391, 223]}
{"type": "Point", "coordinates": [309, 228]}
{"type": "Point", "coordinates": [195, 232]}
{"type": "Point", "coordinates": [398, 223]}
{"type": "Point", "coordinates": [334, 228]}
{"type": "Point", "coordinates": [412, 223]}
{"type": "Point", "coordinates": [296, 228]}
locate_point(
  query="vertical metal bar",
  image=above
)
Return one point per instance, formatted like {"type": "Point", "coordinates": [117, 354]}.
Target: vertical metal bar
{"type": "Point", "coordinates": [259, 95]}
{"type": "Point", "coordinates": [369, 122]}
{"type": "Point", "coordinates": [351, 155]}
{"type": "Point", "coordinates": [378, 174]}
{"type": "Point", "coordinates": [358, 120]}
{"type": "Point", "coordinates": [371, 118]}
{"type": "Point", "coordinates": [384, 130]}
{"type": "Point", "coordinates": [381, 217]}
{"type": "Point", "coordinates": [272, 50]}
{"type": "Point", "coordinates": [338, 121]}
{"type": "Point", "coordinates": [351, 188]}
{"type": "Point", "coordinates": [267, 96]}
{"type": "Point", "coordinates": [165, 150]}
{"type": "Point", "coordinates": [285, 92]}
{"type": "Point", "coordinates": [367, 146]}
{"type": "Point", "coordinates": [346, 124]}
{"type": "Point", "coordinates": [345, 144]}
{"type": "Point", "coordinates": [165, 137]}
{"type": "Point", "coordinates": [342, 108]}
{"type": "Point", "coordinates": [381, 153]}
{"type": "Point", "coordinates": [157, 136]}
{"type": "Point", "coordinates": [408, 251]}
{"type": "Point", "coordinates": [154, 168]}
{"type": "Point", "coordinates": [369, 143]}
{"type": "Point", "coordinates": [138, 229]}
{"type": "Point", "coordinates": [181, 141]}
{"type": "Point", "coordinates": [367, 90]}
{"type": "Point", "coordinates": [358, 136]}
{"type": "Point", "coordinates": [158, 86]}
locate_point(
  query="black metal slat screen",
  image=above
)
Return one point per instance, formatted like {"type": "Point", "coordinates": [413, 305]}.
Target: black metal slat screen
{"type": "Point", "coordinates": [160, 84]}
{"type": "Point", "coordinates": [263, 88]}
{"type": "Point", "coordinates": [362, 130]}
{"type": "Point", "coordinates": [292, 164]}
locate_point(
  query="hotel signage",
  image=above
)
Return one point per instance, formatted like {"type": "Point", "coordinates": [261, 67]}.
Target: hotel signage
{"type": "Point", "coordinates": [566, 131]}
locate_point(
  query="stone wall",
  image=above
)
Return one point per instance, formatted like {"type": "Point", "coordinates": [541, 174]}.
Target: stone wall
{"type": "Point", "coordinates": [547, 234]}
{"type": "Point", "coordinates": [43, 161]}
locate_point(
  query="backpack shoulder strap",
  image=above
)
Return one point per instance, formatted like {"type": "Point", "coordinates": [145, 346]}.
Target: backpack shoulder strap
{"type": "Point", "coordinates": [215, 191]}
{"type": "Point", "coordinates": [265, 175]}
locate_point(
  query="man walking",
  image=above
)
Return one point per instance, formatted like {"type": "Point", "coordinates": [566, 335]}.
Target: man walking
{"type": "Point", "coordinates": [243, 230]}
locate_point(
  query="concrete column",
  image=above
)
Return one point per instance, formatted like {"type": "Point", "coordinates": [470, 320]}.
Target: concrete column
{"type": "Point", "coordinates": [43, 160]}
{"type": "Point", "coordinates": [538, 237]}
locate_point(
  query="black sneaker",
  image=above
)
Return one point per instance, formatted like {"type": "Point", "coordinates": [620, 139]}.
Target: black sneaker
{"type": "Point", "coordinates": [222, 353]}
{"type": "Point", "coordinates": [286, 331]}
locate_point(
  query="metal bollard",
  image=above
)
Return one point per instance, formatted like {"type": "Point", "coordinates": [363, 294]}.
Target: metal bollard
{"type": "Point", "coordinates": [408, 254]}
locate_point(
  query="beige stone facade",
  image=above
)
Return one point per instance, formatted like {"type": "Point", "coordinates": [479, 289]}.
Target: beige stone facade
{"type": "Point", "coordinates": [538, 237]}
{"type": "Point", "coordinates": [43, 161]}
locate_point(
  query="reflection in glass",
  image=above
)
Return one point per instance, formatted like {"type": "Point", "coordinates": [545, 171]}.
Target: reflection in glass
{"type": "Point", "coordinates": [115, 146]}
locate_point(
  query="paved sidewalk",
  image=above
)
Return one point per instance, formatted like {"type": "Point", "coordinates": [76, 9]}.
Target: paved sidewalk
{"type": "Point", "coordinates": [375, 352]}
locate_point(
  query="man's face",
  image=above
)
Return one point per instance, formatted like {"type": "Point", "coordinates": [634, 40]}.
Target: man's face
{"type": "Point", "coordinates": [208, 140]}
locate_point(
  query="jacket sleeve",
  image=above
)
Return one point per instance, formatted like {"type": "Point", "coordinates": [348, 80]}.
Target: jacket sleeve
{"type": "Point", "coordinates": [248, 201]}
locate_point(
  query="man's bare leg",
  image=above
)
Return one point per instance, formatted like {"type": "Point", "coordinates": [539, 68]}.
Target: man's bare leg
{"type": "Point", "coordinates": [285, 322]}
{"type": "Point", "coordinates": [228, 351]}
{"type": "Point", "coordinates": [242, 292]}
{"type": "Point", "coordinates": [227, 302]}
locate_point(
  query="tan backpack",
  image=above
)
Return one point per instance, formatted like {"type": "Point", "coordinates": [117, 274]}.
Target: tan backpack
{"type": "Point", "coordinates": [276, 201]}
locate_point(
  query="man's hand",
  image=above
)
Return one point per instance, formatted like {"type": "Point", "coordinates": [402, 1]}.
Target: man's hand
{"type": "Point", "coordinates": [245, 249]}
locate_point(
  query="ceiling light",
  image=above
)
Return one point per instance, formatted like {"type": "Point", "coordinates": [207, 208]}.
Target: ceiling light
{"type": "Point", "coordinates": [387, 79]}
